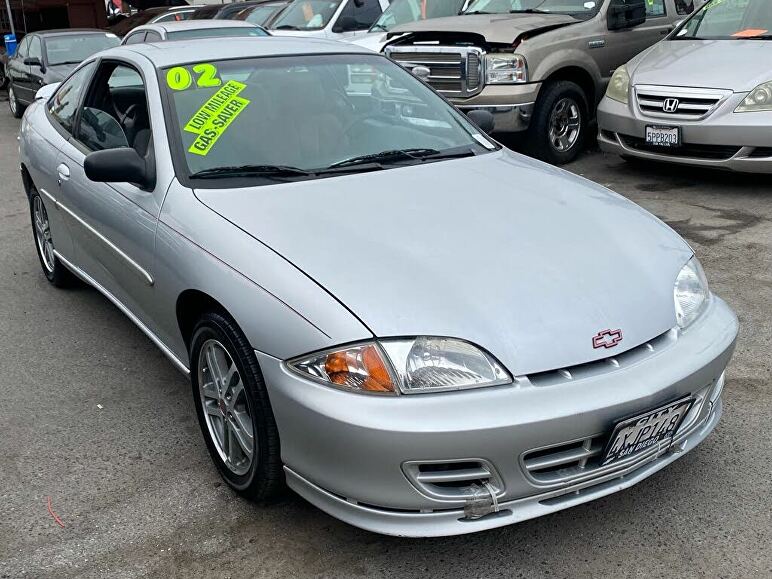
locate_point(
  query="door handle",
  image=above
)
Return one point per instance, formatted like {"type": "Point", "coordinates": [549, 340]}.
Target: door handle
{"type": "Point", "coordinates": [64, 173]}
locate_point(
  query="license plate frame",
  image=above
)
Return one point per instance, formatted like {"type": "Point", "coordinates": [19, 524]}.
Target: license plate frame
{"type": "Point", "coordinates": [663, 130]}
{"type": "Point", "coordinates": [671, 415]}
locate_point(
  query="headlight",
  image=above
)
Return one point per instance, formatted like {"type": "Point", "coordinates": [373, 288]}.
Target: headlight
{"type": "Point", "coordinates": [759, 99]}
{"type": "Point", "coordinates": [407, 366]}
{"type": "Point", "coordinates": [690, 293]}
{"type": "Point", "coordinates": [505, 69]}
{"type": "Point", "coordinates": [619, 85]}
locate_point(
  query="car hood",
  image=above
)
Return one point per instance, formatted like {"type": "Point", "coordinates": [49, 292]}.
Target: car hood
{"type": "Point", "coordinates": [58, 72]}
{"type": "Point", "coordinates": [737, 65]}
{"type": "Point", "coordinates": [495, 28]}
{"type": "Point", "coordinates": [523, 259]}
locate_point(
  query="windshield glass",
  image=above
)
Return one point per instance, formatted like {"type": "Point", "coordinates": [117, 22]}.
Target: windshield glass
{"type": "Point", "coordinates": [310, 113]}
{"type": "Point", "coordinates": [577, 8]}
{"type": "Point", "coordinates": [405, 11]}
{"type": "Point", "coordinates": [76, 49]}
{"type": "Point", "coordinates": [262, 13]}
{"type": "Point", "coordinates": [215, 33]}
{"type": "Point", "coordinates": [730, 20]}
{"type": "Point", "coordinates": [306, 15]}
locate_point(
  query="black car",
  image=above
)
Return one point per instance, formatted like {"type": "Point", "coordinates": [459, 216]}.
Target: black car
{"type": "Point", "coordinates": [47, 57]}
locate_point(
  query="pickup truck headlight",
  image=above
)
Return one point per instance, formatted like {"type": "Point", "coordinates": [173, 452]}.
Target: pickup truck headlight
{"type": "Point", "coordinates": [690, 293]}
{"type": "Point", "coordinates": [759, 99]}
{"type": "Point", "coordinates": [404, 366]}
{"type": "Point", "coordinates": [505, 69]}
{"type": "Point", "coordinates": [619, 86]}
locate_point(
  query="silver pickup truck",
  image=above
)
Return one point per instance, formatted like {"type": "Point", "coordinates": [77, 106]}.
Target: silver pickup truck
{"type": "Point", "coordinates": [537, 65]}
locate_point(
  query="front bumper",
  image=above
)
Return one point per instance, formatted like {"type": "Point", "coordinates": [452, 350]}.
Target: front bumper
{"type": "Point", "coordinates": [723, 140]}
{"type": "Point", "coordinates": [511, 105]}
{"type": "Point", "coordinates": [347, 453]}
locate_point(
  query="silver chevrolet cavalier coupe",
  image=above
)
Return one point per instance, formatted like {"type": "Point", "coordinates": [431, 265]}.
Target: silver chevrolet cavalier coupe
{"type": "Point", "coordinates": [421, 332]}
{"type": "Point", "coordinates": [701, 97]}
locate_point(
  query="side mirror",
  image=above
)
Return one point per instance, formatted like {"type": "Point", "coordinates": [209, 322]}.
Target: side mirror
{"type": "Point", "coordinates": [122, 165]}
{"type": "Point", "coordinates": [346, 24]}
{"type": "Point", "coordinates": [47, 91]}
{"type": "Point", "coordinates": [623, 14]}
{"type": "Point", "coordinates": [33, 61]}
{"type": "Point", "coordinates": [483, 119]}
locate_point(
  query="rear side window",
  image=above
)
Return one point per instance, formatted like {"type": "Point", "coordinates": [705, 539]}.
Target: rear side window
{"type": "Point", "coordinates": [684, 7]}
{"type": "Point", "coordinates": [364, 14]}
{"type": "Point", "coordinates": [135, 38]}
{"type": "Point", "coordinates": [64, 103]}
{"type": "Point", "coordinates": [655, 8]}
{"type": "Point", "coordinates": [152, 36]}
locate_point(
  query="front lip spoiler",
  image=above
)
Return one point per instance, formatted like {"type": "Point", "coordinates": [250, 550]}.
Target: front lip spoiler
{"type": "Point", "coordinates": [452, 522]}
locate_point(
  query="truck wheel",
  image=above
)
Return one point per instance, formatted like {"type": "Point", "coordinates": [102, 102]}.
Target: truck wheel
{"type": "Point", "coordinates": [559, 124]}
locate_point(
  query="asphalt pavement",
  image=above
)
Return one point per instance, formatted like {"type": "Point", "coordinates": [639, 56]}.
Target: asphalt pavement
{"type": "Point", "coordinates": [95, 420]}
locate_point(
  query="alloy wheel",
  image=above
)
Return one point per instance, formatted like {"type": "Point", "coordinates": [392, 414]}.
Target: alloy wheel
{"type": "Point", "coordinates": [226, 407]}
{"type": "Point", "coordinates": [43, 234]}
{"type": "Point", "coordinates": [565, 124]}
{"type": "Point", "coordinates": [12, 100]}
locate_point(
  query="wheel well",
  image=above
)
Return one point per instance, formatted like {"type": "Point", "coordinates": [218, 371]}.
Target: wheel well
{"type": "Point", "coordinates": [581, 77]}
{"type": "Point", "coordinates": [26, 179]}
{"type": "Point", "coordinates": [191, 305]}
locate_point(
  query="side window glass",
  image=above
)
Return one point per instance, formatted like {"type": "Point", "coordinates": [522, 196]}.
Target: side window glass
{"type": "Point", "coordinates": [136, 38]}
{"type": "Point", "coordinates": [684, 7]}
{"type": "Point", "coordinates": [21, 50]}
{"type": "Point", "coordinates": [64, 103]}
{"type": "Point", "coordinates": [35, 49]}
{"type": "Point", "coordinates": [152, 36]}
{"type": "Point", "coordinates": [655, 8]}
{"type": "Point", "coordinates": [364, 15]}
{"type": "Point", "coordinates": [115, 111]}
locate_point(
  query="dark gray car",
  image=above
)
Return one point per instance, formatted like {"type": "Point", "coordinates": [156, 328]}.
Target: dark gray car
{"type": "Point", "coordinates": [47, 57]}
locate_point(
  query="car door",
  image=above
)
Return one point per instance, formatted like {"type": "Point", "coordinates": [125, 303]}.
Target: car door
{"type": "Point", "coordinates": [44, 147]}
{"type": "Point", "coordinates": [18, 72]}
{"type": "Point", "coordinates": [115, 224]}
{"type": "Point", "coordinates": [622, 45]}
{"type": "Point", "coordinates": [35, 72]}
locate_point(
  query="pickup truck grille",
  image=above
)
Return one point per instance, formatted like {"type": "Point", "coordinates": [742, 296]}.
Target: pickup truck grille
{"type": "Point", "coordinates": [454, 71]}
{"type": "Point", "coordinates": [678, 102]}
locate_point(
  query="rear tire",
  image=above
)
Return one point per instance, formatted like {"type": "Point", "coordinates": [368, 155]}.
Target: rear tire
{"type": "Point", "coordinates": [17, 109]}
{"type": "Point", "coordinates": [54, 270]}
{"type": "Point", "coordinates": [558, 128]}
{"type": "Point", "coordinates": [233, 409]}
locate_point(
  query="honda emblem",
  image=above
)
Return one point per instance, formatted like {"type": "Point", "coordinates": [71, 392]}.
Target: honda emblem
{"type": "Point", "coordinates": [606, 339]}
{"type": "Point", "coordinates": [670, 105]}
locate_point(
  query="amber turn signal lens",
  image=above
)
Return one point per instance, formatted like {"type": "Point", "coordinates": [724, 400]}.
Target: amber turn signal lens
{"type": "Point", "coordinates": [359, 368]}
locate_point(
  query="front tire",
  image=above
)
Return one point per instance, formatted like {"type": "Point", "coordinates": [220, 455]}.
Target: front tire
{"type": "Point", "coordinates": [233, 409]}
{"type": "Point", "coordinates": [54, 270]}
{"type": "Point", "coordinates": [559, 124]}
{"type": "Point", "coordinates": [17, 109]}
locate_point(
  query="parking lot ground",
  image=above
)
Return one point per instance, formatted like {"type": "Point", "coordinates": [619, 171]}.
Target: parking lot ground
{"type": "Point", "coordinates": [93, 417]}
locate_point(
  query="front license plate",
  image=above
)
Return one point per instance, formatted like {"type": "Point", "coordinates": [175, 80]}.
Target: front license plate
{"type": "Point", "coordinates": [642, 432]}
{"type": "Point", "coordinates": [663, 136]}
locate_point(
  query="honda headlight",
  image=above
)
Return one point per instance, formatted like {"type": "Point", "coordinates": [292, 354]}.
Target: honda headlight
{"type": "Point", "coordinates": [619, 86]}
{"type": "Point", "coordinates": [759, 99]}
{"type": "Point", "coordinates": [404, 365]}
{"type": "Point", "coordinates": [505, 69]}
{"type": "Point", "coordinates": [690, 293]}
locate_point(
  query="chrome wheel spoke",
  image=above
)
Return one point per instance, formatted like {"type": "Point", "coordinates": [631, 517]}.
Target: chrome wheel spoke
{"type": "Point", "coordinates": [244, 439]}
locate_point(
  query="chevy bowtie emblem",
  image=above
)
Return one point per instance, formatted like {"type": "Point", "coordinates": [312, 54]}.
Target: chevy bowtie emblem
{"type": "Point", "coordinates": [607, 339]}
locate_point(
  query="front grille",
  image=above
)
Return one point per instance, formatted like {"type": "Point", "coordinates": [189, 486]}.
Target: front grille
{"type": "Point", "coordinates": [678, 102]}
{"type": "Point", "coordinates": [452, 480]}
{"type": "Point", "coordinates": [564, 461]}
{"type": "Point", "coordinates": [455, 71]}
{"type": "Point", "coordinates": [710, 152]}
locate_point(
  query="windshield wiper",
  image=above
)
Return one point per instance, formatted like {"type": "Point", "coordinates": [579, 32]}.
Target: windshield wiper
{"type": "Point", "coordinates": [756, 37]}
{"type": "Point", "coordinates": [287, 27]}
{"type": "Point", "coordinates": [474, 12]}
{"type": "Point", "coordinates": [398, 155]}
{"type": "Point", "coordinates": [377, 26]}
{"type": "Point", "coordinates": [529, 11]}
{"type": "Point", "coordinates": [251, 171]}
{"type": "Point", "coordinates": [65, 62]}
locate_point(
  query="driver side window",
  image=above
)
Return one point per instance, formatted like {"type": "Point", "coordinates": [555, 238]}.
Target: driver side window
{"type": "Point", "coordinates": [35, 50]}
{"type": "Point", "coordinates": [64, 103]}
{"type": "Point", "coordinates": [115, 112]}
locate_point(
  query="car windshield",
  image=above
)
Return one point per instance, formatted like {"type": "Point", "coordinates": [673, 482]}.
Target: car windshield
{"type": "Point", "coordinates": [75, 49]}
{"type": "Point", "coordinates": [405, 11]}
{"type": "Point", "coordinates": [215, 33]}
{"type": "Point", "coordinates": [306, 15]}
{"type": "Point", "coordinates": [309, 117]}
{"type": "Point", "coordinates": [729, 20]}
{"type": "Point", "coordinates": [583, 9]}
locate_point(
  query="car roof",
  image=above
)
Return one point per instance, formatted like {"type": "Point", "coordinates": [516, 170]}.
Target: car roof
{"type": "Point", "coordinates": [69, 32]}
{"type": "Point", "coordinates": [170, 53]}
